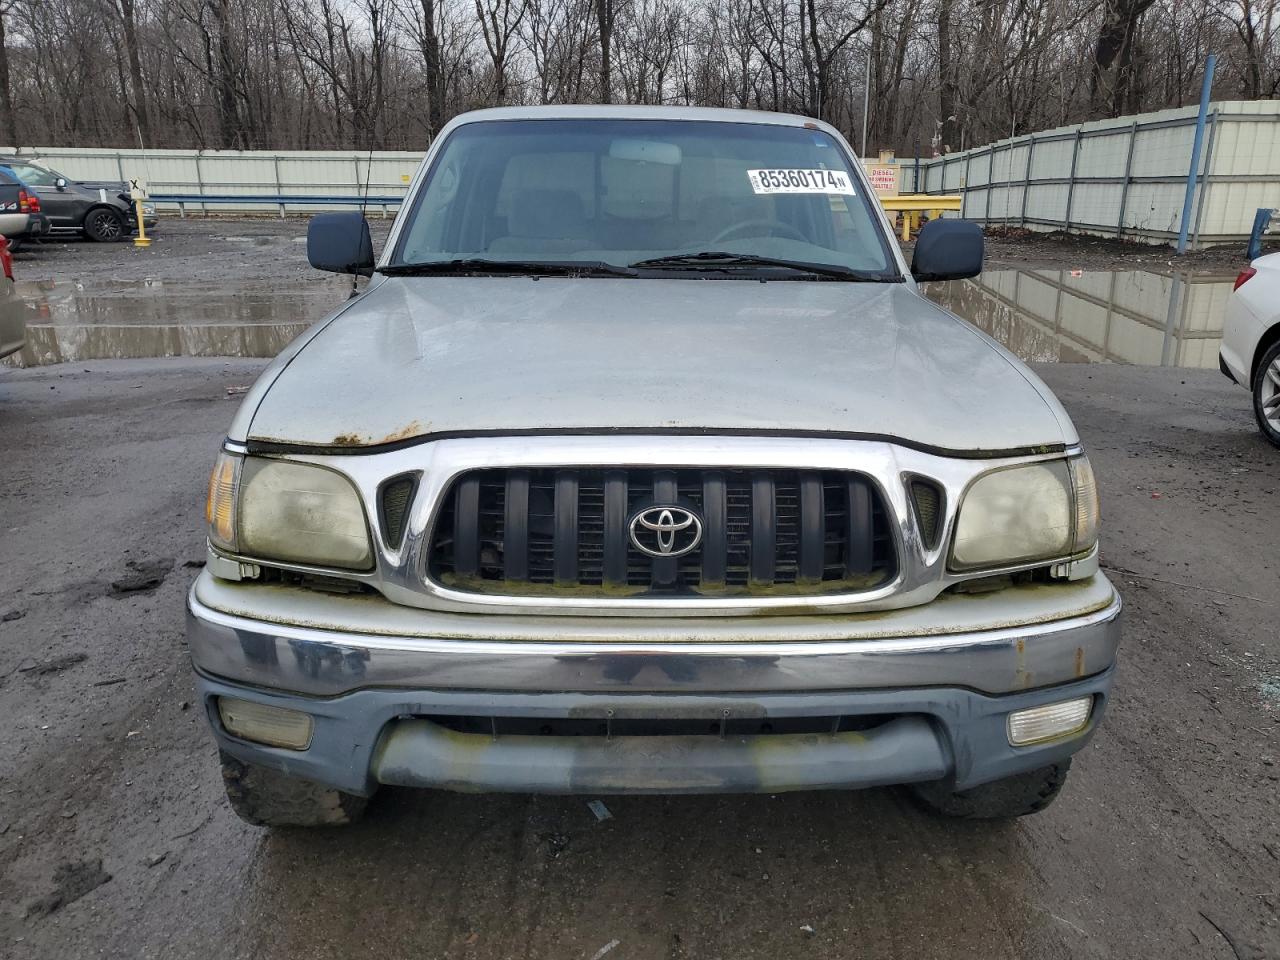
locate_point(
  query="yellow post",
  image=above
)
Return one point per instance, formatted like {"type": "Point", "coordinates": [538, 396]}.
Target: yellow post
{"type": "Point", "coordinates": [141, 240]}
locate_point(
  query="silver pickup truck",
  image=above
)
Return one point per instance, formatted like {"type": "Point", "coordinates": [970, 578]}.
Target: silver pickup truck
{"type": "Point", "coordinates": [641, 465]}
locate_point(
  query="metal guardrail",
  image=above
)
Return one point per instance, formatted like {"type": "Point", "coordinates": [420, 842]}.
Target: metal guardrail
{"type": "Point", "coordinates": [276, 199]}
{"type": "Point", "coordinates": [912, 205]}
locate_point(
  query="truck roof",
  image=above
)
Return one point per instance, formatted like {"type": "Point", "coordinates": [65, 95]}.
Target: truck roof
{"type": "Point", "coordinates": [619, 112]}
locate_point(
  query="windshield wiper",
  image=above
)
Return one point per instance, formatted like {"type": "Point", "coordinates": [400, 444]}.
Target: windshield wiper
{"type": "Point", "coordinates": [557, 268]}
{"type": "Point", "coordinates": [719, 259]}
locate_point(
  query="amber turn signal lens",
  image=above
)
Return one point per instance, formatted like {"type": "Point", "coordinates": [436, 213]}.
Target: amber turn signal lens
{"type": "Point", "coordinates": [220, 507]}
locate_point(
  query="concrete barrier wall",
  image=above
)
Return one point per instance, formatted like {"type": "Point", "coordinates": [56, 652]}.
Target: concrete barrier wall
{"type": "Point", "coordinates": [1124, 177]}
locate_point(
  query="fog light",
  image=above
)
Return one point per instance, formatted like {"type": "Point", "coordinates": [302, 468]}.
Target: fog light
{"type": "Point", "coordinates": [1037, 724]}
{"type": "Point", "coordinates": [274, 726]}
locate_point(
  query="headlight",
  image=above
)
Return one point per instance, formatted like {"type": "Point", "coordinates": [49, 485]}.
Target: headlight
{"type": "Point", "coordinates": [293, 512]}
{"type": "Point", "coordinates": [1041, 511]}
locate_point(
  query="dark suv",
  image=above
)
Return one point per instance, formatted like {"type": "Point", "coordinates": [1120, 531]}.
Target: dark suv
{"type": "Point", "coordinates": [102, 211]}
{"type": "Point", "coordinates": [20, 216]}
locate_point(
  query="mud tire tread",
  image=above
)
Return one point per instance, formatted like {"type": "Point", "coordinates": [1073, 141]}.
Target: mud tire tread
{"type": "Point", "coordinates": [268, 798]}
{"type": "Point", "coordinates": [1016, 796]}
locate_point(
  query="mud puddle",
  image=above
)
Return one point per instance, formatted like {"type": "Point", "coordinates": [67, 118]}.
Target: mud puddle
{"type": "Point", "coordinates": [1100, 316]}
{"type": "Point", "coordinates": [70, 321]}
{"type": "Point", "coordinates": [1121, 316]}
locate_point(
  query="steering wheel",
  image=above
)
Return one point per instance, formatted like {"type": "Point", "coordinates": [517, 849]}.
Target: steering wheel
{"type": "Point", "coordinates": [743, 225]}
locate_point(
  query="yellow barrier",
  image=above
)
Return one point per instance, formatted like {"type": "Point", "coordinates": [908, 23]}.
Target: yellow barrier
{"type": "Point", "coordinates": [912, 205]}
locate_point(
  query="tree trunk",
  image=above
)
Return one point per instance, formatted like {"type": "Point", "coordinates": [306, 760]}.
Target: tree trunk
{"type": "Point", "coordinates": [9, 118]}
{"type": "Point", "coordinates": [1113, 55]}
{"type": "Point", "coordinates": [947, 92]}
{"type": "Point", "coordinates": [604, 14]}
{"type": "Point", "coordinates": [431, 64]}
{"type": "Point", "coordinates": [224, 85]}
{"type": "Point", "coordinates": [129, 21]}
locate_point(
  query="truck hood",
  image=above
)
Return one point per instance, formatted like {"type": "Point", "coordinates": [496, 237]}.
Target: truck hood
{"type": "Point", "coordinates": [416, 358]}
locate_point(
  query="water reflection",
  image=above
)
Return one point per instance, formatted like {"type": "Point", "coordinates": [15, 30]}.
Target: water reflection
{"type": "Point", "coordinates": [73, 321]}
{"type": "Point", "coordinates": [1121, 316]}
{"type": "Point", "coordinates": [1125, 316]}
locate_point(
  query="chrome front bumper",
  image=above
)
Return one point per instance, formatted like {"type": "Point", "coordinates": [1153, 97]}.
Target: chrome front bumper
{"type": "Point", "coordinates": [936, 684]}
{"type": "Point", "coordinates": [997, 643]}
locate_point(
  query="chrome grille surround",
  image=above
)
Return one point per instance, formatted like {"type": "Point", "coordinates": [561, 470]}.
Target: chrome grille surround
{"type": "Point", "coordinates": [921, 573]}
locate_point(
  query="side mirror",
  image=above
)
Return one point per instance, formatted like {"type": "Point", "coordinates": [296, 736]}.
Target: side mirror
{"type": "Point", "coordinates": [340, 243]}
{"type": "Point", "coordinates": [947, 250]}
{"type": "Point", "coordinates": [61, 183]}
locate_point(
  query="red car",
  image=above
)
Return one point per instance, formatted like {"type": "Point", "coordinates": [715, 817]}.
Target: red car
{"type": "Point", "coordinates": [13, 327]}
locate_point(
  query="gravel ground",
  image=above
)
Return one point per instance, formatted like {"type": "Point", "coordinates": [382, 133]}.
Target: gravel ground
{"type": "Point", "coordinates": [115, 840]}
{"type": "Point", "coordinates": [270, 248]}
{"type": "Point", "coordinates": [193, 249]}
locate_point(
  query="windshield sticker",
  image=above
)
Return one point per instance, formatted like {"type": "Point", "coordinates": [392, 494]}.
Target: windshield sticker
{"type": "Point", "coordinates": [800, 181]}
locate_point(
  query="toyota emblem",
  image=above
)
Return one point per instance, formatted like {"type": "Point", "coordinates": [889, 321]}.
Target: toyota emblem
{"type": "Point", "coordinates": [665, 531]}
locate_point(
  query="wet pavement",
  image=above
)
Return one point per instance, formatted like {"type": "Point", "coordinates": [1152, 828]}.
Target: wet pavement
{"type": "Point", "coordinates": [75, 321]}
{"type": "Point", "coordinates": [116, 840]}
{"type": "Point", "coordinates": [1124, 316]}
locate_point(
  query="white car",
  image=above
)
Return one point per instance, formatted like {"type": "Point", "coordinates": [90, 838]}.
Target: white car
{"type": "Point", "coordinates": [1251, 340]}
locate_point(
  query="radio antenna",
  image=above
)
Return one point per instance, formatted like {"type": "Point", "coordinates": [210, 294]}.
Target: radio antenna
{"type": "Point", "coordinates": [364, 203]}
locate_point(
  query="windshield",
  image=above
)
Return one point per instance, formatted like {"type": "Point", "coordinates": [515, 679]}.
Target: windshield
{"type": "Point", "coordinates": [616, 193]}
{"type": "Point", "coordinates": [36, 176]}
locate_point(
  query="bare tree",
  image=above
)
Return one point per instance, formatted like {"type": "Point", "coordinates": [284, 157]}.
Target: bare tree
{"type": "Point", "coordinates": [830, 25]}
{"type": "Point", "coordinates": [391, 73]}
{"type": "Point", "coordinates": [499, 22]}
{"type": "Point", "coordinates": [8, 118]}
{"type": "Point", "coordinates": [1113, 75]}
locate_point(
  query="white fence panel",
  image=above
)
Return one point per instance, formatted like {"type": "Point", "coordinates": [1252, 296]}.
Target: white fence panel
{"type": "Point", "coordinates": [1125, 177]}
{"type": "Point", "coordinates": [269, 176]}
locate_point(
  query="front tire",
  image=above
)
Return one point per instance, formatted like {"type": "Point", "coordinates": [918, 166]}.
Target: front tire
{"type": "Point", "coordinates": [1016, 796]}
{"type": "Point", "coordinates": [15, 244]}
{"type": "Point", "coordinates": [1266, 394]}
{"type": "Point", "coordinates": [268, 798]}
{"type": "Point", "coordinates": [104, 225]}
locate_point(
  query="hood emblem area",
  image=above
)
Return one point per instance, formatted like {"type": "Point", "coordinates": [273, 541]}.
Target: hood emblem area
{"type": "Point", "coordinates": [665, 531]}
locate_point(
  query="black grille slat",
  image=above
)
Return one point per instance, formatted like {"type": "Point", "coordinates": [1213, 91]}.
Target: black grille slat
{"type": "Point", "coordinates": [515, 548]}
{"type": "Point", "coordinates": [764, 519]}
{"type": "Point", "coordinates": [615, 527]}
{"type": "Point", "coordinates": [566, 527]}
{"type": "Point", "coordinates": [812, 527]}
{"type": "Point", "coordinates": [665, 490]}
{"type": "Point", "coordinates": [714, 517]}
{"type": "Point", "coordinates": [466, 528]}
{"type": "Point", "coordinates": [860, 535]}
{"type": "Point", "coordinates": [764, 532]}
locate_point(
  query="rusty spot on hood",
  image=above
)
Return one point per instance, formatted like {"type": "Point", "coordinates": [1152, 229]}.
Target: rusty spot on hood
{"type": "Point", "coordinates": [411, 429]}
